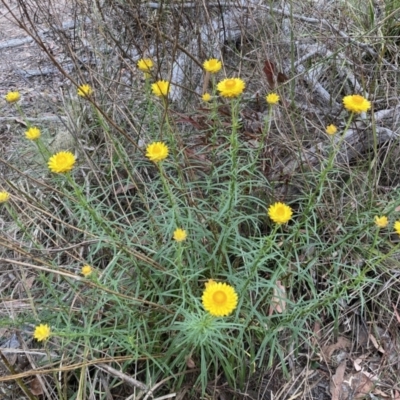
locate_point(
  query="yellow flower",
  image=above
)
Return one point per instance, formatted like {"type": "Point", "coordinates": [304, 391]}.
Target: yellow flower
{"type": "Point", "coordinates": [331, 129]}
{"type": "Point", "coordinates": [219, 299]}
{"type": "Point", "coordinates": [86, 270]}
{"type": "Point", "coordinates": [232, 87]}
{"type": "Point", "coordinates": [206, 97]}
{"type": "Point", "coordinates": [280, 213]}
{"type": "Point", "coordinates": [145, 64]}
{"type": "Point", "coordinates": [381, 222]}
{"type": "Point", "coordinates": [85, 90]}
{"type": "Point", "coordinates": [4, 196]}
{"type": "Point", "coordinates": [212, 65]}
{"type": "Point", "coordinates": [356, 103]}
{"type": "Point", "coordinates": [180, 235]}
{"type": "Point", "coordinates": [32, 133]}
{"type": "Point", "coordinates": [397, 227]}
{"type": "Point", "coordinates": [272, 98]}
{"type": "Point", "coordinates": [62, 161]}
{"type": "Point", "coordinates": [157, 151]}
{"type": "Point", "coordinates": [42, 332]}
{"type": "Point", "coordinates": [160, 88]}
{"type": "Point", "coordinates": [12, 97]}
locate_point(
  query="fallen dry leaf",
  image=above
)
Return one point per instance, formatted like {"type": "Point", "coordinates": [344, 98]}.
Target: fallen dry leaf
{"type": "Point", "coordinates": [375, 343]}
{"type": "Point", "coordinates": [317, 332]}
{"type": "Point", "coordinates": [337, 380]}
{"type": "Point", "coordinates": [360, 385]}
{"type": "Point", "coordinates": [36, 387]}
{"type": "Point", "coordinates": [190, 363]}
{"type": "Point", "coordinates": [342, 343]}
{"type": "Point", "coordinates": [278, 301]}
{"type": "Point", "coordinates": [358, 361]}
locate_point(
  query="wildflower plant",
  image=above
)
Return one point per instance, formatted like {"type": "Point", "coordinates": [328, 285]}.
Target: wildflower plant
{"type": "Point", "coordinates": [194, 266]}
{"type": "Point", "coordinates": [61, 162]}
{"type": "Point", "coordinates": [84, 90]}
{"type": "Point", "coordinates": [161, 88]}
{"type": "Point", "coordinates": [4, 196]}
{"type": "Point", "coordinates": [42, 332]}
{"type": "Point", "coordinates": [13, 96]}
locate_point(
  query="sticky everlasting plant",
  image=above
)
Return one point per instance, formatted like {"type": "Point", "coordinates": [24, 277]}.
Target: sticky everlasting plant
{"type": "Point", "coordinates": [12, 97]}
{"type": "Point", "coordinates": [42, 332]}
{"type": "Point", "coordinates": [86, 270]}
{"type": "Point", "coordinates": [331, 129]}
{"type": "Point", "coordinates": [280, 213]}
{"type": "Point", "coordinates": [4, 196]}
{"type": "Point", "coordinates": [212, 65]}
{"type": "Point", "coordinates": [165, 247]}
{"type": "Point", "coordinates": [272, 98]}
{"type": "Point", "coordinates": [84, 90]}
{"type": "Point", "coordinates": [160, 88]}
{"type": "Point", "coordinates": [356, 103]}
{"type": "Point", "coordinates": [157, 151]}
{"type": "Point", "coordinates": [61, 162]}
{"type": "Point", "coordinates": [33, 133]}
{"type": "Point", "coordinates": [232, 87]}
{"type": "Point", "coordinates": [381, 222]}
{"type": "Point", "coordinates": [219, 299]}
{"type": "Point", "coordinates": [145, 64]}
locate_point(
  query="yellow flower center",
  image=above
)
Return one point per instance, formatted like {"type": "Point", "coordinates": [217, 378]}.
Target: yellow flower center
{"type": "Point", "coordinates": [358, 99]}
{"type": "Point", "coordinates": [62, 159]}
{"type": "Point", "coordinates": [280, 210]}
{"type": "Point", "coordinates": [157, 150]}
{"type": "Point", "coordinates": [230, 83]}
{"type": "Point", "coordinates": [219, 297]}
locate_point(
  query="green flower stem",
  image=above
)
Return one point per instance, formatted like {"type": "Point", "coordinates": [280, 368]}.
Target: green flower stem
{"type": "Point", "coordinates": [234, 150]}
{"type": "Point", "coordinates": [331, 160]}
{"type": "Point", "coordinates": [215, 121]}
{"type": "Point", "coordinates": [264, 134]}
{"type": "Point", "coordinates": [21, 113]}
{"type": "Point", "coordinates": [179, 267]}
{"type": "Point", "coordinates": [43, 150]}
{"type": "Point", "coordinates": [169, 193]}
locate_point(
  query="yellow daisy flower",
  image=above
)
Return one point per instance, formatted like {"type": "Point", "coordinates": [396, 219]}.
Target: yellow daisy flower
{"type": "Point", "coordinates": [212, 65]}
{"type": "Point", "coordinates": [232, 87]}
{"type": "Point", "coordinates": [32, 133]}
{"type": "Point", "coordinates": [180, 235]}
{"type": "Point", "coordinates": [272, 98]}
{"type": "Point", "coordinates": [86, 270]}
{"type": "Point", "coordinates": [12, 97]}
{"type": "Point", "coordinates": [280, 213]}
{"type": "Point", "coordinates": [381, 222]}
{"type": "Point", "coordinates": [157, 151]}
{"type": "Point", "coordinates": [356, 103]}
{"type": "Point", "coordinates": [4, 196]}
{"type": "Point", "coordinates": [206, 97]}
{"type": "Point", "coordinates": [145, 64]}
{"type": "Point", "coordinates": [219, 299]}
{"type": "Point", "coordinates": [85, 90]}
{"type": "Point", "coordinates": [331, 129]}
{"type": "Point", "coordinates": [397, 227]}
{"type": "Point", "coordinates": [160, 88]}
{"type": "Point", "coordinates": [42, 332]}
{"type": "Point", "coordinates": [61, 162]}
